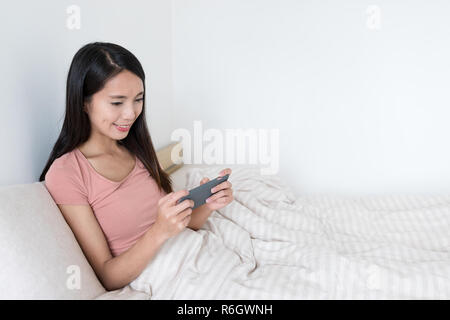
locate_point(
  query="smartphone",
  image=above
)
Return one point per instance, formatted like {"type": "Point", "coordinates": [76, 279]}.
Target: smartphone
{"type": "Point", "coordinates": [201, 193]}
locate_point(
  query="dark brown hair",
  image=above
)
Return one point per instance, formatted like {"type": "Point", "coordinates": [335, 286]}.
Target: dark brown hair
{"type": "Point", "coordinates": [91, 67]}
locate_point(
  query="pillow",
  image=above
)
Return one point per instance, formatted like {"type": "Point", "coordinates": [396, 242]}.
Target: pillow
{"type": "Point", "coordinates": [40, 256]}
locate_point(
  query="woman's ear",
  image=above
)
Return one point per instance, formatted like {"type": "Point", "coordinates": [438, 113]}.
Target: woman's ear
{"type": "Point", "coordinates": [85, 107]}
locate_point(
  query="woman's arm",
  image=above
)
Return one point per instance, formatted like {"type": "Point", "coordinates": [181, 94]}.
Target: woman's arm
{"type": "Point", "coordinates": [199, 216]}
{"type": "Point", "coordinates": [113, 272]}
{"type": "Point", "coordinates": [116, 272]}
{"type": "Point", "coordinates": [123, 269]}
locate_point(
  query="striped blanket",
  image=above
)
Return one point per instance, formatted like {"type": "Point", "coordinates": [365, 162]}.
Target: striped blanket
{"type": "Point", "coordinates": [272, 244]}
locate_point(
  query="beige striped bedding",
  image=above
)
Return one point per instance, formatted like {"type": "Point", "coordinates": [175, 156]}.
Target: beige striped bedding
{"type": "Point", "coordinates": [271, 244]}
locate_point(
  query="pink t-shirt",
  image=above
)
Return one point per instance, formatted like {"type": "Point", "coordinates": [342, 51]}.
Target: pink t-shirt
{"type": "Point", "coordinates": [125, 210]}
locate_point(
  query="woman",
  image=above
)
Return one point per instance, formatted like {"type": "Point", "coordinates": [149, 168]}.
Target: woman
{"type": "Point", "coordinates": [103, 172]}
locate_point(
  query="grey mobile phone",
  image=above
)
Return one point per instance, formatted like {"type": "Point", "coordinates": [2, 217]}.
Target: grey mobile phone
{"type": "Point", "coordinates": [201, 193]}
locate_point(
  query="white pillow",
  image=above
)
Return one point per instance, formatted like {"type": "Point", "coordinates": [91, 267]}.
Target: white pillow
{"type": "Point", "coordinates": [39, 255]}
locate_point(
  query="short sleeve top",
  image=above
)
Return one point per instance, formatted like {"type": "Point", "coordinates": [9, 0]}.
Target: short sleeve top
{"type": "Point", "coordinates": [125, 209]}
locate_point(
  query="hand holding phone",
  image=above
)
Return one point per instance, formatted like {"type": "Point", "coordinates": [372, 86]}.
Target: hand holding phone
{"type": "Point", "coordinates": [201, 193]}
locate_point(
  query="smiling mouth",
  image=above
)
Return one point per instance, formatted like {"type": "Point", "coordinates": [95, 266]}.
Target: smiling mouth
{"type": "Point", "coordinates": [122, 126]}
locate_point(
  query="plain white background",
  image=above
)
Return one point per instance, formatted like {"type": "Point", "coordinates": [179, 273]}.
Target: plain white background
{"type": "Point", "coordinates": [360, 110]}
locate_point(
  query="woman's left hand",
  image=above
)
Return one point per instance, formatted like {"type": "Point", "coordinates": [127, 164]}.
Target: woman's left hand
{"type": "Point", "coordinates": [224, 193]}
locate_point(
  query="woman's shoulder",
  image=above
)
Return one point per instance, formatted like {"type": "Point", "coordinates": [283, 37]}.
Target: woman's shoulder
{"type": "Point", "coordinates": [65, 164]}
{"type": "Point", "coordinates": [64, 181]}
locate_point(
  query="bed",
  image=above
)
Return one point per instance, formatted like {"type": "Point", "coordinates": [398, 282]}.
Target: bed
{"type": "Point", "coordinates": [270, 243]}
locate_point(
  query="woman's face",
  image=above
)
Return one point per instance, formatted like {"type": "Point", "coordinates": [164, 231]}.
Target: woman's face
{"type": "Point", "coordinates": [120, 102]}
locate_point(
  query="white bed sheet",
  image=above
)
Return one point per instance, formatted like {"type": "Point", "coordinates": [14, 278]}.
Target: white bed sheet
{"type": "Point", "coordinates": [272, 244]}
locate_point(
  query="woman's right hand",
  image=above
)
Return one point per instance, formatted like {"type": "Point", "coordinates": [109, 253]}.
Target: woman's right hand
{"type": "Point", "coordinates": [172, 217]}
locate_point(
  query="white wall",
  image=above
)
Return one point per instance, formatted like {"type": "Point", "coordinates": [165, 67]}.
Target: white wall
{"type": "Point", "coordinates": [360, 110]}
{"type": "Point", "coordinates": [37, 49]}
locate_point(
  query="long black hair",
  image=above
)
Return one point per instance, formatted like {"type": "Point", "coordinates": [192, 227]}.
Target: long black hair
{"type": "Point", "coordinates": [91, 67]}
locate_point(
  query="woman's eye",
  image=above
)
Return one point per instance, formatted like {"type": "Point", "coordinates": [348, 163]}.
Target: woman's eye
{"type": "Point", "coordinates": [139, 100]}
{"type": "Point", "coordinates": [116, 103]}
